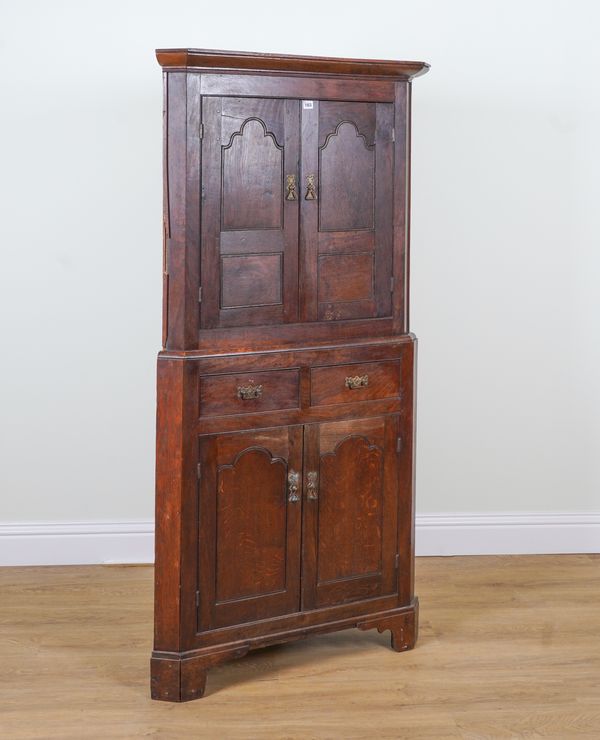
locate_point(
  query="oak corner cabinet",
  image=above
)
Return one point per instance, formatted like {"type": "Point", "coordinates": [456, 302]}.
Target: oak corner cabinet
{"type": "Point", "coordinates": [285, 422]}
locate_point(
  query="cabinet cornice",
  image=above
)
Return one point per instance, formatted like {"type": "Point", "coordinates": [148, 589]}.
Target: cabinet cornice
{"type": "Point", "coordinates": [244, 61]}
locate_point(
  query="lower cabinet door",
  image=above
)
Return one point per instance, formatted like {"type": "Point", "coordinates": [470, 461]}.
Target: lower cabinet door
{"type": "Point", "coordinates": [249, 526]}
{"type": "Point", "coordinates": [350, 511]}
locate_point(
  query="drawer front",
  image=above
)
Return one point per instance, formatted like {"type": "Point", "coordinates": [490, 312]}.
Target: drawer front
{"type": "Point", "coordinates": [356, 382]}
{"type": "Point", "coordinates": [245, 393]}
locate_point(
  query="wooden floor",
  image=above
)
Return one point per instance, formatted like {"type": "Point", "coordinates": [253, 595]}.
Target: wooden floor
{"type": "Point", "coordinates": [509, 648]}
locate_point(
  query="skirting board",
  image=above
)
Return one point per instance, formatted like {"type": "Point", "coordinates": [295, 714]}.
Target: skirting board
{"type": "Point", "coordinates": [76, 543]}
{"type": "Point", "coordinates": [507, 533]}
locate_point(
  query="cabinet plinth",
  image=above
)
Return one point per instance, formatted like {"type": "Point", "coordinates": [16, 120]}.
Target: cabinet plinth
{"type": "Point", "coordinates": [285, 424]}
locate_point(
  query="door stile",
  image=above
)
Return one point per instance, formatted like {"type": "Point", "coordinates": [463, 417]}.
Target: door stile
{"type": "Point", "coordinates": [401, 186]}
{"type": "Point", "coordinates": [309, 210]}
{"type": "Point", "coordinates": [293, 566]}
{"type": "Point", "coordinates": [210, 221]}
{"type": "Point", "coordinates": [310, 519]}
{"type": "Point", "coordinates": [207, 525]}
{"type": "Point", "coordinates": [389, 544]}
{"type": "Point", "coordinates": [291, 283]}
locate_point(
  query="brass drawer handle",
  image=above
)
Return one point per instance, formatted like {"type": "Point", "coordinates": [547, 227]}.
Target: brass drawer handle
{"type": "Point", "coordinates": [357, 381]}
{"type": "Point", "coordinates": [312, 489]}
{"type": "Point", "coordinates": [293, 485]}
{"type": "Point", "coordinates": [290, 187]}
{"type": "Point", "coordinates": [246, 392]}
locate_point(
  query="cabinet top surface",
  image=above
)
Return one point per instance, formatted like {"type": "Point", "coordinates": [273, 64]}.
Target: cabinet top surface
{"type": "Point", "coordinates": [241, 61]}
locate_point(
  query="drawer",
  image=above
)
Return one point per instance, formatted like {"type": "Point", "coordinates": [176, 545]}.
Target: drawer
{"type": "Point", "coordinates": [357, 382]}
{"type": "Point", "coordinates": [246, 393]}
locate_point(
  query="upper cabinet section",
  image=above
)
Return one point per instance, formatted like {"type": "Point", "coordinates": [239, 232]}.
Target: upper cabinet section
{"type": "Point", "coordinates": [286, 199]}
{"type": "Point", "coordinates": [297, 201]}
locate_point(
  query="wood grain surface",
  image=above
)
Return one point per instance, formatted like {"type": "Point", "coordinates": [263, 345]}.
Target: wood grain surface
{"type": "Point", "coordinates": [509, 647]}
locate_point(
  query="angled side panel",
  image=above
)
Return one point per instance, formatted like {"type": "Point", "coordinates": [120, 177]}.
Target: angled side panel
{"type": "Point", "coordinates": [176, 503]}
{"type": "Point", "coordinates": [168, 513]}
{"type": "Point", "coordinates": [181, 210]}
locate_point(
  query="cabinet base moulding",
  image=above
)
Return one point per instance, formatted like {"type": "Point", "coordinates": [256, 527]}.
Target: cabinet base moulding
{"type": "Point", "coordinates": [179, 677]}
{"type": "Point", "coordinates": [404, 626]}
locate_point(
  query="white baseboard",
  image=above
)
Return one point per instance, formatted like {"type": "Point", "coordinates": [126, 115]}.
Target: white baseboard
{"type": "Point", "coordinates": [507, 533]}
{"type": "Point", "coordinates": [75, 543]}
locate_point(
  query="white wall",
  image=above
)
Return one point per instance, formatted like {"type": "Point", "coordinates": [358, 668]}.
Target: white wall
{"type": "Point", "coordinates": [505, 241]}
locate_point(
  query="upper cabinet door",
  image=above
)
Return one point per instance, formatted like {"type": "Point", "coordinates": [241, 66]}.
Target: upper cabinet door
{"type": "Point", "coordinates": [249, 268]}
{"type": "Point", "coordinates": [346, 210]}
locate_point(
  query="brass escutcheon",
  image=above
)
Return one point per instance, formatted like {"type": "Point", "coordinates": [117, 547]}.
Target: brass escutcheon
{"type": "Point", "coordinates": [293, 484]}
{"type": "Point", "coordinates": [312, 490]}
{"type": "Point", "coordinates": [290, 187]}
{"type": "Point", "coordinates": [311, 193]}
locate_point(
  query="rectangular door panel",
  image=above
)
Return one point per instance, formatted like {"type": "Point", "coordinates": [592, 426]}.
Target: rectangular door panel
{"type": "Point", "coordinates": [249, 270]}
{"type": "Point", "coordinates": [346, 210]}
{"type": "Point", "coordinates": [350, 514]}
{"type": "Point", "coordinates": [249, 528]}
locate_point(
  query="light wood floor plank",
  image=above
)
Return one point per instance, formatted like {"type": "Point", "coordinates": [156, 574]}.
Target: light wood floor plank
{"type": "Point", "coordinates": [509, 647]}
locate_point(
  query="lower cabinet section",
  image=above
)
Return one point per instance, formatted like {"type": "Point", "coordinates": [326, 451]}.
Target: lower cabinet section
{"type": "Point", "coordinates": [296, 518]}
{"type": "Point", "coordinates": [274, 523]}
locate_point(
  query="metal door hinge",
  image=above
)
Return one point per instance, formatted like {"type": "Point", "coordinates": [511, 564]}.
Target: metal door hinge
{"type": "Point", "coordinates": [397, 564]}
{"type": "Point", "coordinates": [399, 444]}
{"type": "Point", "coordinates": [392, 284]}
{"type": "Point", "coordinates": [201, 132]}
{"type": "Point", "coordinates": [197, 598]}
{"type": "Point", "coordinates": [393, 134]}
{"type": "Point", "coordinates": [199, 471]}
{"type": "Point", "coordinates": [200, 294]}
